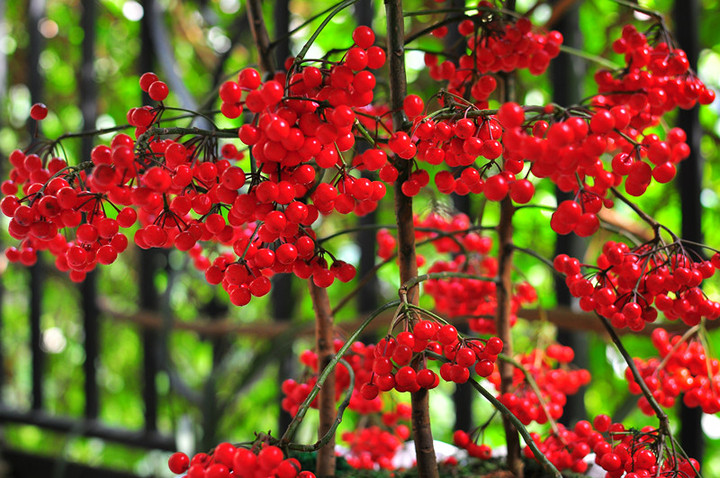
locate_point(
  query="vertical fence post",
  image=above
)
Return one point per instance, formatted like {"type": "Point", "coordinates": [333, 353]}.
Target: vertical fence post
{"type": "Point", "coordinates": [282, 298]}
{"type": "Point", "coordinates": [3, 97]}
{"type": "Point", "coordinates": [148, 294]}
{"type": "Point", "coordinates": [566, 75]}
{"type": "Point", "coordinates": [35, 12]}
{"type": "Point", "coordinates": [367, 299]}
{"type": "Point", "coordinates": [211, 412]}
{"type": "Point", "coordinates": [88, 288]}
{"type": "Point", "coordinates": [686, 14]}
{"type": "Point", "coordinates": [464, 393]}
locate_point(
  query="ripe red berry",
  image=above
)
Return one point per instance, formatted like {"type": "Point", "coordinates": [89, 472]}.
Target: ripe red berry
{"type": "Point", "coordinates": [178, 463]}
{"type": "Point", "coordinates": [363, 37]}
{"type": "Point", "coordinates": [413, 105]}
{"type": "Point", "coordinates": [158, 91]}
{"type": "Point", "coordinates": [38, 111]}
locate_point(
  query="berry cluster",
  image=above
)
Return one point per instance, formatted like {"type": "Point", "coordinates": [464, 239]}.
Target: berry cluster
{"type": "Point", "coordinates": [631, 286]}
{"type": "Point", "coordinates": [657, 79]}
{"type": "Point", "coordinates": [683, 367]}
{"type": "Point", "coordinates": [52, 203]}
{"type": "Point", "coordinates": [228, 461]}
{"type": "Point", "coordinates": [464, 440]}
{"type": "Point", "coordinates": [184, 195]}
{"type": "Point", "coordinates": [374, 447]}
{"type": "Point", "coordinates": [360, 357]}
{"type": "Point", "coordinates": [475, 299]}
{"type": "Point", "coordinates": [555, 380]}
{"type": "Point", "coordinates": [620, 452]}
{"type": "Point", "coordinates": [495, 43]}
{"type": "Point", "coordinates": [394, 368]}
{"type": "Point", "coordinates": [566, 145]}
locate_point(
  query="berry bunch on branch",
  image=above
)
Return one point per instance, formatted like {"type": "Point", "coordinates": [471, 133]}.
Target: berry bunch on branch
{"type": "Point", "coordinates": [329, 138]}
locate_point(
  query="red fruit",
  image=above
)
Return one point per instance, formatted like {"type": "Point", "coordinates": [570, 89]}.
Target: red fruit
{"type": "Point", "coordinates": [602, 122]}
{"type": "Point", "coordinates": [363, 37]}
{"type": "Point", "coordinates": [522, 191]}
{"type": "Point", "coordinates": [413, 105]}
{"type": "Point", "coordinates": [447, 334]}
{"type": "Point", "coordinates": [496, 187]}
{"type": "Point", "coordinates": [249, 78]}
{"type": "Point", "coordinates": [610, 462]}
{"type": "Point", "coordinates": [376, 57]}
{"type": "Point", "coordinates": [423, 330]}
{"type": "Point", "coordinates": [426, 379]}
{"type": "Point", "coordinates": [38, 111]}
{"type": "Point", "coordinates": [178, 463]}
{"type": "Point", "coordinates": [369, 391]}
{"type": "Point", "coordinates": [484, 368]}
{"type": "Point", "coordinates": [269, 457]}
{"type": "Point", "coordinates": [146, 80]}
{"type": "Point", "coordinates": [511, 115]}
{"type": "Point", "coordinates": [494, 346]}
{"type": "Point", "coordinates": [158, 91]}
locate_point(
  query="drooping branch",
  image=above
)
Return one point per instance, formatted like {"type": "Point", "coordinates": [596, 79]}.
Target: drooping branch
{"type": "Point", "coordinates": [290, 432]}
{"type": "Point", "coordinates": [659, 412]}
{"type": "Point", "coordinates": [549, 467]}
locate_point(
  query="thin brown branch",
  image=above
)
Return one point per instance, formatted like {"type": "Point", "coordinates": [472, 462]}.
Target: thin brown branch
{"type": "Point", "coordinates": [260, 35]}
{"type": "Point", "coordinates": [422, 433]}
{"type": "Point", "coordinates": [325, 349]}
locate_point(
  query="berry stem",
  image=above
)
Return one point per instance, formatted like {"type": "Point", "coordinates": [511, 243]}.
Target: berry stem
{"type": "Point", "coordinates": [260, 36]}
{"type": "Point", "coordinates": [644, 216]}
{"type": "Point", "coordinates": [539, 456]}
{"type": "Point", "coordinates": [502, 324]}
{"type": "Point", "coordinates": [306, 47]}
{"type": "Point", "coordinates": [534, 386]}
{"type": "Point", "coordinates": [659, 413]}
{"type": "Point", "coordinates": [302, 410]}
{"type": "Point", "coordinates": [675, 347]}
{"type": "Point", "coordinates": [330, 435]}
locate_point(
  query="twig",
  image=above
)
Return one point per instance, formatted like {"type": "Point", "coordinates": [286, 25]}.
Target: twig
{"type": "Point", "coordinates": [325, 439]}
{"type": "Point", "coordinates": [539, 456]}
{"type": "Point", "coordinates": [302, 410]}
{"type": "Point", "coordinates": [659, 413]}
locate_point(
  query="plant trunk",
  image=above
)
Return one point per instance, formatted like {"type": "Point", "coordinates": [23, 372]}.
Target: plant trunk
{"type": "Point", "coordinates": [504, 294]}
{"type": "Point", "coordinates": [324, 336]}
{"type": "Point", "coordinates": [422, 433]}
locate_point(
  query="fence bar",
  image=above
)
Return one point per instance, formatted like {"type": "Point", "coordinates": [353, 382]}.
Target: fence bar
{"type": "Point", "coordinates": [3, 159]}
{"type": "Point", "coordinates": [91, 428]}
{"type": "Point", "coordinates": [686, 14]}
{"type": "Point", "coordinates": [567, 73]}
{"type": "Point", "coordinates": [35, 12]}
{"type": "Point", "coordinates": [150, 338]}
{"type": "Point", "coordinates": [282, 299]}
{"type": "Point", "coordinates": [88, 288]}
{"type": "Point", "coordinates": [149, 298]}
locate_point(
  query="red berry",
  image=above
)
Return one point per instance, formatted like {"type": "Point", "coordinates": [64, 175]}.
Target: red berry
{"type": "Point", "coordinates": [178, 463]}
{"type": "Point", "coordinates": [363, 37]}
{"type": "Point", "coordinates": [158, 91]}
{"type": "Point", "coordinates": [38, 111]}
